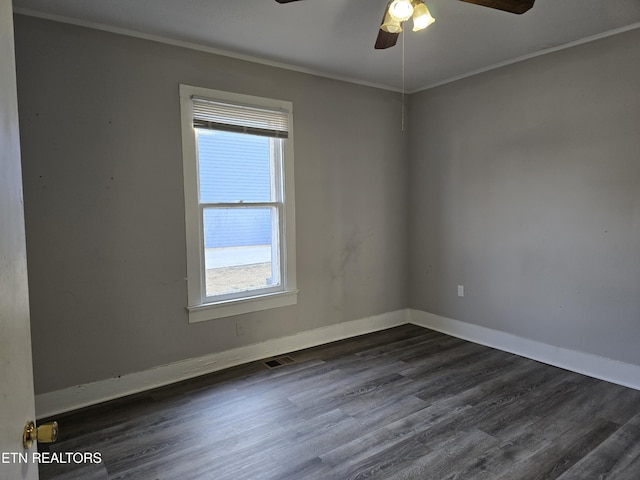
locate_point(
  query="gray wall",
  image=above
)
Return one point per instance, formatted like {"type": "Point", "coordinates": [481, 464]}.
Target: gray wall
{"type": "Point", "coordinates": [523, 185]}
{"type": "Point", "coordinates": [100, 133]}
{"type": "Point", "coordinates": [525, 188]}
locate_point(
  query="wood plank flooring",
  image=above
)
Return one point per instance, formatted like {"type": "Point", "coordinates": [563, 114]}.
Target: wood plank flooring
{"type": "Point", "coordinates": [405, 403]}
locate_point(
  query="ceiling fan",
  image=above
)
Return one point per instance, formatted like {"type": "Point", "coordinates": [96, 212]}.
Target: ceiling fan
{"type": "Point", "coordinates": [398, 11]}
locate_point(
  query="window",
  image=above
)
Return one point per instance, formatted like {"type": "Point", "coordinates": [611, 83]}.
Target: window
{"type": "Point", "coordinates": [239, 210]}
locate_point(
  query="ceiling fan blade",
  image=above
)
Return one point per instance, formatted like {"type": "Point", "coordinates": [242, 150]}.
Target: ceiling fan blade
{"type": "Point", "coordinates": [386, 39]}
{"type": "Point", "coordinates": [287, 1]}
{"type": "Point", "coordinates": [511, 6]}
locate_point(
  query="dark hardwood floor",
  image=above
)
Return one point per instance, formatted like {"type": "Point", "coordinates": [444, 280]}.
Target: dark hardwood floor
{"type": "Point", "coordinates": [405, 403]}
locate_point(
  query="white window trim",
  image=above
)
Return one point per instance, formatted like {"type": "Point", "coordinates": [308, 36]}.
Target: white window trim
{"type": "Point", "coordinates": [198, 310]}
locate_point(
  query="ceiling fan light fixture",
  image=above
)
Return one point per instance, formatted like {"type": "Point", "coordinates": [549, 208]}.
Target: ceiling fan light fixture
{"type": "Point", "coordinates": [401, 10]}
{"type": "Point", "coordinates": [391, 25]}
{"type": "Point", "coordinates": [421, 16]}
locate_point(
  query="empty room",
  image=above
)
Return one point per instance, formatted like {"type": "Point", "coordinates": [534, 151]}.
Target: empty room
{"type": "Point", "coordinates": [320, 239]}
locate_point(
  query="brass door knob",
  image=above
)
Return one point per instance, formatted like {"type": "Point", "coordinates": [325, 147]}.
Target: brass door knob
{"type": "Point", "coordinates": [45, 433]}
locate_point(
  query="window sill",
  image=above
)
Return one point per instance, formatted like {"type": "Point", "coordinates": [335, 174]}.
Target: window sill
{"type": "Point", "coordinates": [211, 311]}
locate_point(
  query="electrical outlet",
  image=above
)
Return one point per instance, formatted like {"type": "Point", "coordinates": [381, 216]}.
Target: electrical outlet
{"type": "Point", "coordinates": [461, 290]}
{"type": "Point", "coordinates": [239, 329]}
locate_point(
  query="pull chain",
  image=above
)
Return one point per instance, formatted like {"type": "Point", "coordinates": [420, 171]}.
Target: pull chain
{"type": "Point", "coordinates": [402, 126]}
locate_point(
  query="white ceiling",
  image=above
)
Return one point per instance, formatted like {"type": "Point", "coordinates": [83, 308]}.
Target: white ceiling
{"type": "Point", "coordinates": [336, 37]}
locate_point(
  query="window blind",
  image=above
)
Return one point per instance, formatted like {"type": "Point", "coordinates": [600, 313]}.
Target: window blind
{"type": "Point", "coordinates": [217, 115]}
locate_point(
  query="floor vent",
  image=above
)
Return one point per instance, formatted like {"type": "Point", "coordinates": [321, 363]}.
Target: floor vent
{"type": "Point", "coordinates": [278, 362]}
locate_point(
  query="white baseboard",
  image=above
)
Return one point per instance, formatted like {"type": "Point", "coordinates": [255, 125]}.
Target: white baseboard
{"type": "Point", "coordinates": [72, 398]}
{"type": "Point", "coordinates": [588, 364]}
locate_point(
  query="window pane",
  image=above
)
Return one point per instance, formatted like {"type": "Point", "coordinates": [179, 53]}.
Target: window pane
{"type": "Point", "coordinates": [241, 249]}
{"type": "Point", "coordinates": [234, 167]}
